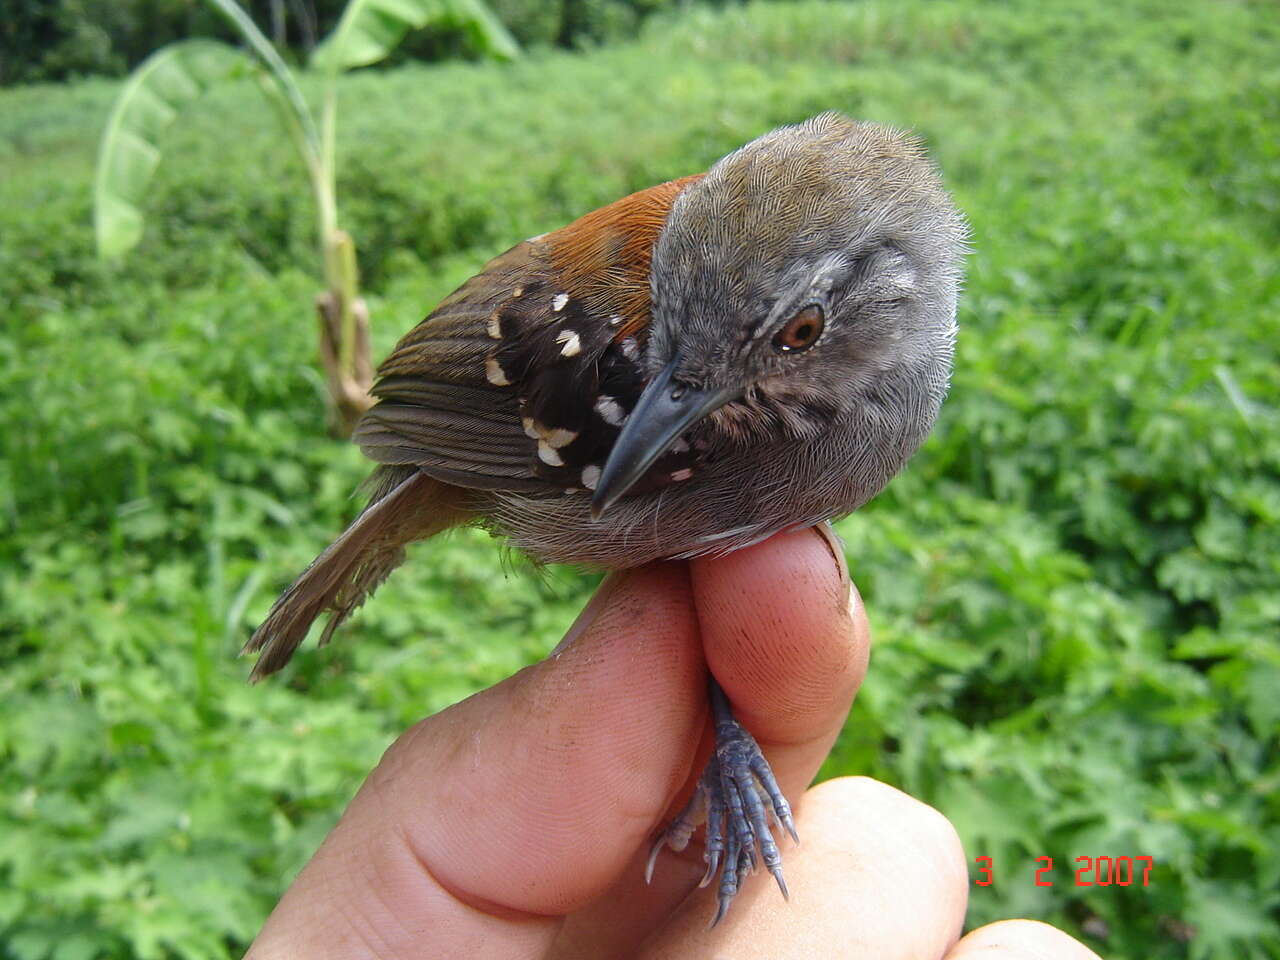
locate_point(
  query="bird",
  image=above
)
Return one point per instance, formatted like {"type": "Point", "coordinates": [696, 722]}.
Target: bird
{"type": "Point", "coordinates": [683, 372]}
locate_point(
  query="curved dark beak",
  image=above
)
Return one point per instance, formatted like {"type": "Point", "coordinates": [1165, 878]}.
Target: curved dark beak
{"type": "Point", "coordinates": [662, 414]}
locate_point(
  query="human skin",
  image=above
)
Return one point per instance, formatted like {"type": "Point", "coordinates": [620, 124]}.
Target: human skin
{"type": "Point", "coordinates": [516, 824]}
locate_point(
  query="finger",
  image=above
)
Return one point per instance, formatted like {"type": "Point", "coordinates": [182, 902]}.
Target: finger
{"type": "Point", "coordinates": [785, 642]}
{"type": "Point", "coordinates": [781, 613]}
{"type": "Point", "coordinates": [880, 875]}
{"type": "Point", "coordinates": [485, 823]}
{"type": "Point", "coordinates": [1019, 940]}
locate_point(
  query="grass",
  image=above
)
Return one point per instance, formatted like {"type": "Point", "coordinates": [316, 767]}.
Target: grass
{"type": "Point", "coordinates": [1075, 587]}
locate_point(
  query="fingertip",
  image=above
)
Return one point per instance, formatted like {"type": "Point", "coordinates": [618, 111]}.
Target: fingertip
{"type": "Point", "coordinates": [785, 633]}
{"type": "Point", "coordinates": [879, 870]}
{"type": "Point", "coordinates": [1020, 940]}
{"type": "Point", "coordinates": [840, 810]}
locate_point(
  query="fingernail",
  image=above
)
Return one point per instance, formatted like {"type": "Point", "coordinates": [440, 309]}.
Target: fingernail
{"type": "Point", "coordinates": [854, 603]}
{"type": "Point", "coordinates": [589, 613]}
{"type": "Point", "coordinates": [828, 535]}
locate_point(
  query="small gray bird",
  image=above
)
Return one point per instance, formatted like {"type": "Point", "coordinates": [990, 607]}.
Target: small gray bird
{"type": "Point", "coordinates": [681, 373]}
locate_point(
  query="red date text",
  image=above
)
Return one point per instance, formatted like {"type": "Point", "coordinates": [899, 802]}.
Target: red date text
{"type": "Point", "coordinates": [1100, 871]}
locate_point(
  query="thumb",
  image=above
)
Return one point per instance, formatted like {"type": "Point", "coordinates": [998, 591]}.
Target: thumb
{"type": "Point", "coordinates": [483, 825]}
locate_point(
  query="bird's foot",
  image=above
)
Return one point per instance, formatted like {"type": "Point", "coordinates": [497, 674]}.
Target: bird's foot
{"type": "Point", "coordinates": [736, 795]}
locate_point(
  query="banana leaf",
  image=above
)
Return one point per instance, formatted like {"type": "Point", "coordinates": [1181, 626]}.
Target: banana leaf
{"type": "Point", "coordinates": [370, 29]}
{"type": "Point", "coordinates": [153, 96]}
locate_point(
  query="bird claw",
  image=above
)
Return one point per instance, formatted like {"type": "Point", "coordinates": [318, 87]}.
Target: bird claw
{"type": "Point", "coordinates": [679, 831]}
{"type": "Point", "coordinates": [738, 794]}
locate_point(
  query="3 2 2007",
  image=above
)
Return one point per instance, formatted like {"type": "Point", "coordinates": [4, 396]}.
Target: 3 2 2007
{"type": "Point", "coordinates": [1090, 871]}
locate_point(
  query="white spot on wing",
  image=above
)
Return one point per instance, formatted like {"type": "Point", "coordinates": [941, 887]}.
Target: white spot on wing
{"type": "Point", "coordinates": [572, 343]}
{"type": "Point", "coordinates": [630, 349]}
{"type": "Point", "coordinates": [683, 474]}
{"type": "Point", "coordinates": [560, 437]}
{"type": "Point", "coordinates": [590, 476]}
{"type": "Point", "coordinates": [554, 437]}
{"type": "Point", "coordinates": [495, 326]}
{"type": "Point", "coordinates": [558, 301]}
{"type": "Point", "coordinates": [547, 454]}
{"type": "Point", "coordinates": [495, 374]}
{"type": "Point", "coordinates": [610, 411]}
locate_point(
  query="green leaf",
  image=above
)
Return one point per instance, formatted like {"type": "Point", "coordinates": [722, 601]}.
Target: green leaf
{"type": "Point", "coordinates": [1227, 916]}
{"type": "Point", "coordinates": [370, 29]}
{"type": "Point", "coordinates": [286, 87]}
{"type": "Point", "coordinates": [153, 96]}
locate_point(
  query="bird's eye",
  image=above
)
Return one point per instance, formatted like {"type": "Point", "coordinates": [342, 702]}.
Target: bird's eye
{"type": "Point", "coordinates": [801, 331]}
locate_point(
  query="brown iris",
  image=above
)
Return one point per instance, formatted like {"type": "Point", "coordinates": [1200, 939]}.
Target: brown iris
{"type": "Point", "coordinates": [801, 331]}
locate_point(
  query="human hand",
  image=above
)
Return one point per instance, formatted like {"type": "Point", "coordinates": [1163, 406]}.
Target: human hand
{"type": "Point", "coordinates": [516, 824]}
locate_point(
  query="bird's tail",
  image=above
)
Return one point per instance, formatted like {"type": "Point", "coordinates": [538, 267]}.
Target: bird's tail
{"type": "Point", "coordinates": [406, 505]}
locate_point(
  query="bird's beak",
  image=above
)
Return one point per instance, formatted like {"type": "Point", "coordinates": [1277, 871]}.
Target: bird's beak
{"type": "Point", "coordinates": [662, 413]}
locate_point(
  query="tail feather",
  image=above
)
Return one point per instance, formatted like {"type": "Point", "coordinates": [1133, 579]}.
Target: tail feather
{"type": "Point", "coordinates": [406, 505]}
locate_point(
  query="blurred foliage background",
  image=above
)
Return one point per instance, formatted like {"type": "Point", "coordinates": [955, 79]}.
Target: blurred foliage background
{"type": "Point", "coordinates": [43, 40]}
{"type": "Point", "coordinates": [1075, 587]}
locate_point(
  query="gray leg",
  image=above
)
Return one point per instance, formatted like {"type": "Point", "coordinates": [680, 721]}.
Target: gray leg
{"type": "Point", "coordinates": [734, 792]}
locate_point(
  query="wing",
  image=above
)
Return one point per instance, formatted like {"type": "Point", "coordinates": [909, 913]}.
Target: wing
{"type": "Point", "coordinates": [437, 408]}
{"type": "Point", "coordinates": [521, 379]}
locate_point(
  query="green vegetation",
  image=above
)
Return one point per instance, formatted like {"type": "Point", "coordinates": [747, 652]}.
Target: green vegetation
{"type": "Point", "coordinates": [44, 40]}
{"type": "Point", "coordinates": [1075, 588]}
{"type": "Point", "coordinates": [174, 79]}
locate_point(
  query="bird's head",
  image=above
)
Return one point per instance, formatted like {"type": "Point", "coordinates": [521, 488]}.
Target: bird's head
{"type": "Point", "coordinates": [804, 272]}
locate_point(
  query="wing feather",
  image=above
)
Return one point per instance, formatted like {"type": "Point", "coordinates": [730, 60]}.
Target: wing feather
{"type": "Point", "coordinates": [520, 355]}
{"type": "Point", "coordinates": [437, 409]}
